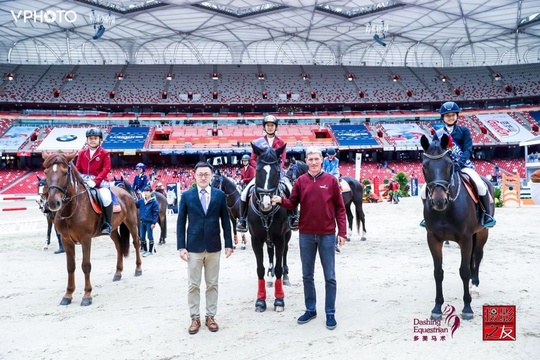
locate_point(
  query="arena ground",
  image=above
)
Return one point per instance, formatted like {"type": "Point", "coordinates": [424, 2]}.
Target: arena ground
{"type": "Point", "coordinates": [385, 285]}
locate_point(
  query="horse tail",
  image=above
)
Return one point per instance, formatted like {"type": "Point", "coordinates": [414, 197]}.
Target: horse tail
{"type": "Point", "coordinates": [124, 239]}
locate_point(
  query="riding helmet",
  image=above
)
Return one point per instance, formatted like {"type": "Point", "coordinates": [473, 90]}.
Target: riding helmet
{"type": "Point", "coordinates": [270, 119]}
{"type": "Point", "coordinates": [449, 107]}
{"type": "Point", "coordinates": [245, 157]}
{"type": "Point", "coordinates": [331, 152]}
{"type": "Point", "coordinates": [94, 132]}
{"type": "Point", "coordinates": [140, 166]}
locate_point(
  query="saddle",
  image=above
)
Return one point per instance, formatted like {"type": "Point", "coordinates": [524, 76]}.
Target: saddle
{"type": "Point", "coordinates": [344, 186]}
{"type": "Point", "coordinates": [471, 187]}
{"type": "Point", "coordinates": [95, 201]}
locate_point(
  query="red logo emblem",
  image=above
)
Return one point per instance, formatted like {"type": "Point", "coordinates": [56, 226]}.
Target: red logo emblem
{"type": "Point", "coordinates": [499, 323]}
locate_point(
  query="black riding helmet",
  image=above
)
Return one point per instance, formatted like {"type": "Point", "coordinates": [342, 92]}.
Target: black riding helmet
{"type": "Point", "coordinates": [94, 132]}
{"type": "Point", "coordinates": [270, 119]}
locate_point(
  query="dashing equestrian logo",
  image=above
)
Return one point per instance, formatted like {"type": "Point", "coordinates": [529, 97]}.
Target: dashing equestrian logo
{"type": "Point", "coordinates": [437, 330]}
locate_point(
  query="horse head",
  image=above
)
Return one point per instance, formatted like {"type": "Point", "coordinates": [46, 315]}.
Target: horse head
{"type": "Point", "coordinates": [59, 175]}
{"type": "Point", "coordinates": [268, 173]}
{"type": "Point", "coordinates": [438, 169]}
{"type": "Point", "coordinates": [217, 180]}
{"type": "Point", "coordinates": [296, 169]}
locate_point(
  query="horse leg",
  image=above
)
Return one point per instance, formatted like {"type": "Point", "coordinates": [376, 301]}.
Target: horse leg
{"type": "Point", "coordinates": [435, 247]}
{"type": "Point", "coordinates": [479, 240]}
{"type": "Point", "coordinates": [260, 304]}
{"type": "Point", "coordinates": [49, 229]}
{"type": "Point", "coordinates": [286, 280]}
{"type": "Point", "coordinates": [162, 226]}
{"type": "Point", "coordinates": [134, 232]}
{"type": "Point", "coordinates": [350, 220]}
{"type": "Point", "coordinates": [279, 294]}
{"type": "Point", "coordinates": [87, 268]}
{"type": "Point", "coordinates": [119, 256]}
{"type": "Point", "coordinates": [360, 217]}
{"type": "Point", "coordinates": [233, 222]}
{"type": "Point", "coordinates": [465, 273]}
{"type": "Point", "coordinates": [244, 241]}
{"type": "Point", "coordinates": [271, 272]}
{"type": "Point", "coordinates": [70, 262]}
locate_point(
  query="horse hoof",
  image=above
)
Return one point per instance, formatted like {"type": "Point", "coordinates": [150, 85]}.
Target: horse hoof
{"type": "Point", "coordinates": [260, 306]}
{"type": "Point", "coordinates": [436, 316]}
{"type": "Point", "coordinates": [117, 277]}
{"type": "Point", "coordinates": [243, 247]}
{"type": "Point", "coordinates": [467, 316]}
{"type": "Point", "coordinates": [234, 247]}
{"type": "Point", "coordinates": [286, 282]}
{"type": "Point", "coordinates": [138, 272]}
{"type": "Point", "coordinates": [279, 308]}
{"type": "Point", "coordinates": [86, 302]}
{"type": "Point", "coordinates": [65, 301]}
{"type": "Point", "coordinates": [45, 247]}
{"type": "Point", "coordinates": [279, 305]}
{"type": "Point", "coordinates": [363, 238]}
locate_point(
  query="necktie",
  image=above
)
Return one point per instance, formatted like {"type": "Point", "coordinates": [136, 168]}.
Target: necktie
{"type": "Point", "coordinates": [203, 200]}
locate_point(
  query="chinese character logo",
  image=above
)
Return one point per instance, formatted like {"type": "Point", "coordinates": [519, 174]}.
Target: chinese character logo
{"type": "Point", "coordinates": [499, 323]}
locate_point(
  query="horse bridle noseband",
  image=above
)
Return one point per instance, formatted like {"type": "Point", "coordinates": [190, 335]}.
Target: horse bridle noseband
{"type": "Point", "coordinates": [445, 185]}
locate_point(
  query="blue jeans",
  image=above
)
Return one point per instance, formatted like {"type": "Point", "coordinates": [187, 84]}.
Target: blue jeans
{"type": "Point", "coordinates": [146, 229]}
{"type": "Point", "coordinates": [326, 244]}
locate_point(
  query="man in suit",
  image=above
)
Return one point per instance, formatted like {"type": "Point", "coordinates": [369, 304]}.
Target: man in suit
{"type": "Point", "coordinates": [205, 207]}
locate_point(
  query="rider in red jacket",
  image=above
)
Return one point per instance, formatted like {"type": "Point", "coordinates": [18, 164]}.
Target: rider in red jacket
{"type": "Point", "coordinates": [94, 163]}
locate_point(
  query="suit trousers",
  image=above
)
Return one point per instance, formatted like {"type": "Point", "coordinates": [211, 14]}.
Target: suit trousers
{"type": "Point", "coordinates": [196, 263]}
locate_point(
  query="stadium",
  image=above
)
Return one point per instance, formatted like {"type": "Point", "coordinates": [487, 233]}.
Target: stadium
{"type": "Point", "coordinates": [364, 77]}
{"type": "Point", "coordinates": [170, 83]}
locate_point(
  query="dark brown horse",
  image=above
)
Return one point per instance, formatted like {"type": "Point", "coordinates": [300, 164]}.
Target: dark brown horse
{"type": "Point", "coordinates": [232, 194]}
{"type": "Point", "coordinates": [354, 196]}
{"type": "Point", "coordinates": [161, 200]}
{"type": "Point", "coordinates": [267, 223]}
{"type": "Point", "coordinates": [451, 214]}
{"type": "Point", "coordinates": [78, 223]}
{"type": "Point", "coordinates": [49, 215]}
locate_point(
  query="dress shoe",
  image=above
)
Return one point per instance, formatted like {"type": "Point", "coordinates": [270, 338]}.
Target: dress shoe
{"type": "Point", "coordinates": [307, 317]}
{"type": "Point", "coordinates": [195, 325]}
{"type": "Point", "coordinates": [331, 322]}
{"type": "Point", "coordinates": [211, 324]}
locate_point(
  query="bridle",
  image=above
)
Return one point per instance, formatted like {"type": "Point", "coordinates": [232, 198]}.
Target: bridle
{"type": "Point", "coordinates": [267, 217]}
{"type": "Point", "coordinates": [219, 185]}
{"type": "Point", "coordinates": [64, 190]}
{"type": "Point", "coordinates": [444, 184]}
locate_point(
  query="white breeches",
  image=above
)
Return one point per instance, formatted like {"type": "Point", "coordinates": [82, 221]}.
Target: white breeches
{"type": "Point", "coordinates": [105, 194]}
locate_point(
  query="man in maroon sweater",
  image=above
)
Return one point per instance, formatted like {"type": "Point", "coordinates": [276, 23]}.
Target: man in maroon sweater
{"type": "Point", "coordinates": [315, 191]}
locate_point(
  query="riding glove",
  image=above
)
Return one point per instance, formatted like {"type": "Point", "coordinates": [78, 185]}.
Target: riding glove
{"type": "Point", "coordinates": [91, 184]}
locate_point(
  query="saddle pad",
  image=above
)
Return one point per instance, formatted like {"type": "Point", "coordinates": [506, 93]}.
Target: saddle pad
{"type": "Point", "coordinates": [344, 186]}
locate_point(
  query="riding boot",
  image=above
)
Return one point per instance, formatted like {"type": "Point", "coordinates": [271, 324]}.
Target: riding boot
{"type": "Point", "coordinates": [106, 227]}
{"type": "Point", "coordinates": [487, 220]}
{"type": "Point", "coordinates": [150, 250]}
{"type": "Point", "coordinates": [293, 220]}
{"type": "Point", "coordinates": [241, 224]}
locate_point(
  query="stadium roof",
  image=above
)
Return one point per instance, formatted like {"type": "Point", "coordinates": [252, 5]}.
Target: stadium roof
{"type": "Point", "coordinates": [415, 32]}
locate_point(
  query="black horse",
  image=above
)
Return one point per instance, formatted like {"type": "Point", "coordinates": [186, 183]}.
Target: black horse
{"type": "Point", "coordinates": [267, 223]}
{"type": "Point", "coordinates": [354, 196]}
{"type": "Point", "coordinates": [162, 202]}
{"type": "Point", "coordinates": [232, 194]}
{"type": "Point", "coordinates": [451, 214]}
{"type": "Point", "coordinates": [49, 215]}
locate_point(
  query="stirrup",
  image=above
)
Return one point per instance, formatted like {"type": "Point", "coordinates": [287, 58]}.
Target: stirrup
{"type": "Point", "coordinates": [241, 225]}
{"type": "Point", "coordinates": [423, 223]}
{"type": "Point", "coordinates": [488, 221]}
{"type": "Point", "coordinates": [293, 223]}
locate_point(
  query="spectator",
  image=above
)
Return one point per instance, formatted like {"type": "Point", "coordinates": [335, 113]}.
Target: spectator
{"type": "Point", "coordinates": [148, 217]}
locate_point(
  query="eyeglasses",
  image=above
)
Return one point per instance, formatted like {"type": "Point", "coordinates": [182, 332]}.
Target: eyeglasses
{"type": "Point", "coordinates": [203, 175]}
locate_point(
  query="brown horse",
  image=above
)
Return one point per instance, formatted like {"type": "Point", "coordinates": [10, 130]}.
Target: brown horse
{"type": "Point", "coordinates": [451, 214]}
{"type": "Point", "coordinates": [77, 222]}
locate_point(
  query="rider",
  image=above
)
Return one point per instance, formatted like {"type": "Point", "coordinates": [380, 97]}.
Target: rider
{"type": "Point", "coordinates": [247, 172]}
{"type": "Point", "coordinates": [461, 149]}
{"type": "Point", "coordinates": [95, 162]}
{"type": "Point", "coordinates": [140, 182]}
{"type": "Point", "coordinates": [331, 163]}
{"type": "Point", "coordinates": [270, 124]}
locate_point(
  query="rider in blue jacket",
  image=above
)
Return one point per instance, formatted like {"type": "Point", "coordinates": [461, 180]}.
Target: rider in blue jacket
{"type": "Point", "coordinates": [140, 182]}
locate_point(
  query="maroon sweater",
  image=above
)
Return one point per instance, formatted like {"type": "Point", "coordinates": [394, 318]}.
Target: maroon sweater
{"type": "Point", "coordinates": [321, 204]}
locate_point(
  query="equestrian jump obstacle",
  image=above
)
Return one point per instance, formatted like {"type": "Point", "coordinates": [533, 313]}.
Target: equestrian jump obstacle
{"type": "Point", "coordinates": [15, 198]}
